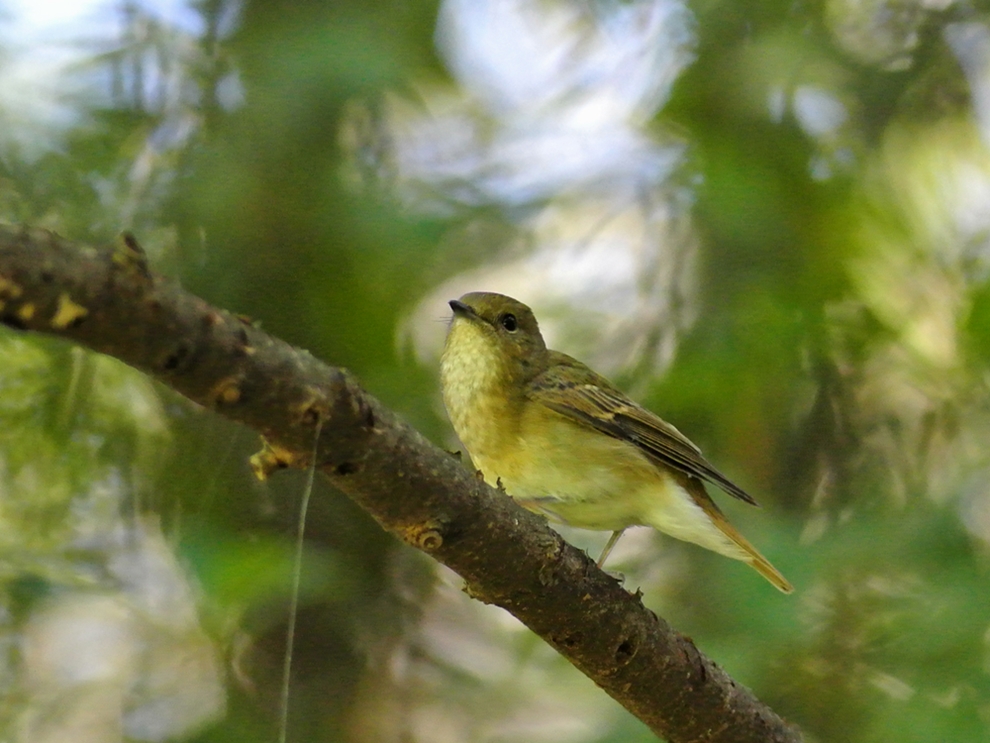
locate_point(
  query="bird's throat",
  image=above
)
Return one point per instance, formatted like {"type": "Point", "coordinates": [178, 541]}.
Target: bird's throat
{"type": "Point", "coordinates": [477, 391]}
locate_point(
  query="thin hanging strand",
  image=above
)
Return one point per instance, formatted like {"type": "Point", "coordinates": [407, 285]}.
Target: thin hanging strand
{"type": "Point", "coordinates": [290, 634]}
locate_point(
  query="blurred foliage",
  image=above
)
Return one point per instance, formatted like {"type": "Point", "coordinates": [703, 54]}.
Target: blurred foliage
{"type": "Point", "coordinates": [767, 220]}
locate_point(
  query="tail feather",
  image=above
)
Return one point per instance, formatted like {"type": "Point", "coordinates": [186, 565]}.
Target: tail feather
{"type": "Point", "coordinates": [764, 568]}
{"type": "Point", "coordinates": [753, 557]}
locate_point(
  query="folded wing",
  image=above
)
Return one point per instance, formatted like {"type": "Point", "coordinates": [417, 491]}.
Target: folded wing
{"type": "Point", "coordinates": [606, 409]}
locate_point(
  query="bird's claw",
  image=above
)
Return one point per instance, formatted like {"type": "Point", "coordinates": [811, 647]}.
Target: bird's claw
{"type": "Point", "coordinates": [615, 575]}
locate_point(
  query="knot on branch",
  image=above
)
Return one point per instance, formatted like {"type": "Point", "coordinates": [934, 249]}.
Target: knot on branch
{"type": "Point", "coordinates": [129, 258]}
{"type": "Point", "coordinates": [311, 410]}
{"type": "Point", "coordinates": [226, 392]}
{"type": "Point", "coordinates": [427, 537]}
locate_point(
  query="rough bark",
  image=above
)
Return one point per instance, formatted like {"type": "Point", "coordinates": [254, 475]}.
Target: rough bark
{"type": "Point", "coordinates": [108, 300]}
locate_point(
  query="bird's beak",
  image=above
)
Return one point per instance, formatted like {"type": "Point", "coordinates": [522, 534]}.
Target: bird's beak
{"type": "Point", "coordinates": [461, 310]}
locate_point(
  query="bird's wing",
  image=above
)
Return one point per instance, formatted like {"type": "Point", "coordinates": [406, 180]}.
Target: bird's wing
{"type": "Point", "coordinates": [601, 406]}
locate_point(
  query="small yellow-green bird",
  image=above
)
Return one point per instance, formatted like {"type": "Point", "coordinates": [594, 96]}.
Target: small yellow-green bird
{"type": "Point", "coordinates": [562, 441]}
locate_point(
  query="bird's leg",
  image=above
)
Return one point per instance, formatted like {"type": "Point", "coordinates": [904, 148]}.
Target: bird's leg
{"type": "Point", "coordinates": [608, 547]}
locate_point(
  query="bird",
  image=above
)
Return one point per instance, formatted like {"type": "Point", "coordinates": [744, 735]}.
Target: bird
{"type": "Point", "coordinates": [563, 441]}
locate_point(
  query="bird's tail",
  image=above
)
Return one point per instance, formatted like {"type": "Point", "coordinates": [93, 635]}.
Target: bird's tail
{"type": "Point", "coordinates": [752, 556]}
{"type": "Point", "coordinates": [762, 565]}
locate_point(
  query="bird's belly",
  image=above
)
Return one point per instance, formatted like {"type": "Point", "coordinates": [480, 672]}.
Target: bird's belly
{"type": "Point", "coordinates": [578, 476]}
{"type": "Point", "coordinates": [581, 477]}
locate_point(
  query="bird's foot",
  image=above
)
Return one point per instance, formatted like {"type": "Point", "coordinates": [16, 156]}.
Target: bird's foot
{"type": "Point", "coordinates": [615, 575]}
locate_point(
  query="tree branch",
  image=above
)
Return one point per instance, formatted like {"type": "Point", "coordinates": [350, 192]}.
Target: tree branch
{"type": "Point", "coordinates": [109, 301]}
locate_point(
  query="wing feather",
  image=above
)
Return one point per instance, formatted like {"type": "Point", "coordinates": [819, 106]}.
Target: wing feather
{"type": "Point", "coordinates": [599, 405]}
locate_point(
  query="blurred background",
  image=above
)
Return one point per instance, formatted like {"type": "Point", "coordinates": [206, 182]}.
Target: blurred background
{"type": "Point", "coordinates": [769, 221]}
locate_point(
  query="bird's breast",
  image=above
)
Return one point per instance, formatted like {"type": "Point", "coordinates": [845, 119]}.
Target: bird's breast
{"type": "Point", "coordinates": [475, 394]}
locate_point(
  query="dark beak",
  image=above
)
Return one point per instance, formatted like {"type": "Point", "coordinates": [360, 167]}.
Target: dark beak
{"type": "Point", "coordinates": [461, 309]}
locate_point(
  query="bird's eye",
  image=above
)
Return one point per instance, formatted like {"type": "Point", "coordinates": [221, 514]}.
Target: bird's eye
{"type": "Point", "coordinates": [508, 321]}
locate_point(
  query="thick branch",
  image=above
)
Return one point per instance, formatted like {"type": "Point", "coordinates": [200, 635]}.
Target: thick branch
{"type": "Point", "coordinates": [109, 301]}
